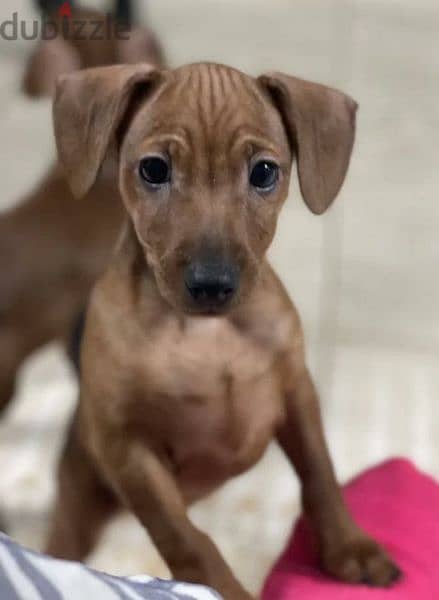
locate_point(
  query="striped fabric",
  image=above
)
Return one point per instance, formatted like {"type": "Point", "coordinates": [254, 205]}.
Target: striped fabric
{"type": "Point", "coordinates": [27, 575]}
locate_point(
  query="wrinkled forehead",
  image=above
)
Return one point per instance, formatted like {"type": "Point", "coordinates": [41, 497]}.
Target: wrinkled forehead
{"type": "Point", "coordinates": [214, 91]}
{"type": "Point", "coordinates": [214, 105]}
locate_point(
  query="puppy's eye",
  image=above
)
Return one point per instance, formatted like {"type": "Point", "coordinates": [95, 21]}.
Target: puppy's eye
{"type": "Point", "coordinates": [264, 175]}
{"type": "Point", "coordinates": [155, 170]}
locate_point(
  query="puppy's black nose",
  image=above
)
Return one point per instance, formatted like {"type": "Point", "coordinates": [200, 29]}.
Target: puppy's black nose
{"type": "Point", "coordinates": [211, 284]}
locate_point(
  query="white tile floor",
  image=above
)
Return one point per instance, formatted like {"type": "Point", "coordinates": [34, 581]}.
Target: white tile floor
{"type": "Point", "coordinates": [363, 276]}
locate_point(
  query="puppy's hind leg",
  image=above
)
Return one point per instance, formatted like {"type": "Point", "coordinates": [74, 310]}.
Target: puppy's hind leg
{"type": "Point", "coordinates": [83, 506]}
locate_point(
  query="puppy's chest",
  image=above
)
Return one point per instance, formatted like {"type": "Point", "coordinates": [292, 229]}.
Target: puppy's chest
{"type": "Point", "coordinates": [213, 394]}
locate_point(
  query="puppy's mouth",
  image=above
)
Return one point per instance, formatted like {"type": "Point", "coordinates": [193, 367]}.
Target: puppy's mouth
{"type": "Point", "coordinates": [208, 311]}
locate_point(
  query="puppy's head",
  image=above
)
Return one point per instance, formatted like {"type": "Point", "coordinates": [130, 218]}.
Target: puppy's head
{"type": "Point", "coordinates": [205, 155]}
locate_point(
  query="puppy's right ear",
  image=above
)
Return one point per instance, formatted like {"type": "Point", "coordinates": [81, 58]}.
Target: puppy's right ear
{"type": "Point", "coordinates": [88, 108]}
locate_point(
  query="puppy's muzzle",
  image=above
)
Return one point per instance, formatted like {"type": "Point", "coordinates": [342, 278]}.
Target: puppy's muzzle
{"type": "Point", "coordinates": [211, 285]}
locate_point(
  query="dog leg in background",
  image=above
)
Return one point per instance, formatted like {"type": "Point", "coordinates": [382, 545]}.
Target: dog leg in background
{"type": "Point", "coordinates": [8, 375]}
{"type": "Point", "coordinates": [16, 344]}
{"type": "Point", "coordinates": [346, 552]}
{"type": "Point", "coordinates": [19, 340]}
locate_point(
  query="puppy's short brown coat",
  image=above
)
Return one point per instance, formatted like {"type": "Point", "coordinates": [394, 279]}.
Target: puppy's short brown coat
{"type": "Point", "coordinates": [184, 384]}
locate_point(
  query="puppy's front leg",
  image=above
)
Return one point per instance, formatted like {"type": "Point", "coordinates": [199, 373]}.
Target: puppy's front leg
{"type": "Point", "coordinates": [346, 552]}
{"type": "Point", "coordinates": [148, 488]}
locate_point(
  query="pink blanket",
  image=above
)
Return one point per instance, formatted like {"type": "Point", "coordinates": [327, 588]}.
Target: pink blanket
{"type": "Point", "coordinates": [396, 504]}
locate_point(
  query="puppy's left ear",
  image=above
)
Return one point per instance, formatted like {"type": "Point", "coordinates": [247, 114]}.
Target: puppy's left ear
{"type": "Point", "coordinates": [320, 124]}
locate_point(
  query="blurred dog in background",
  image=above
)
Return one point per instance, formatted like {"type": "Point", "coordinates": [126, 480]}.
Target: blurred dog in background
{"type": "Point", "coordinates": [79, 45]}
{"type": "Point", "coordinates": [52, 248]}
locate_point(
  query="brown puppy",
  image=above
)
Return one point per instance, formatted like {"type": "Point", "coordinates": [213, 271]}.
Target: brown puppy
{"type": "Point", "coordinates": [193, 356]}
{"type": "Point", "coordinates": [51, 248]}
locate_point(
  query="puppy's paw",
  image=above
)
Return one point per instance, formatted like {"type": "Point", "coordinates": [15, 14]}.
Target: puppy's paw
{"type": "Point", "coordinates": [361, 560]}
